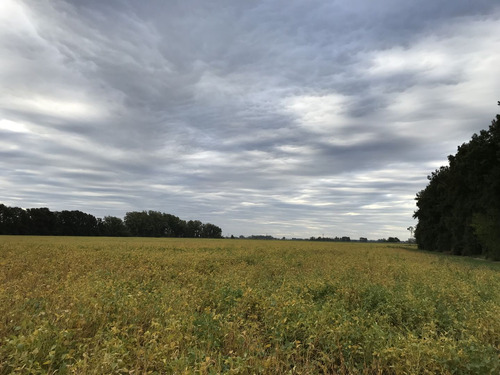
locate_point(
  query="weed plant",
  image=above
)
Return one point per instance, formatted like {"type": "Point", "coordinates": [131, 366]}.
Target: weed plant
{"type": "Point", "coordinates": [179, 306]}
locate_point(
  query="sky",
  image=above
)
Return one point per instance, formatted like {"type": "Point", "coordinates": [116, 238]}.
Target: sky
{"type": "Point", "coordinates": [286, 118]}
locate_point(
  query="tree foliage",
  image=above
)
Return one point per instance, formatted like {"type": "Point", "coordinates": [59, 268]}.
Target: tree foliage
{"type": "Point", "coordinates": [459, 210]}
{"type": "Point", "coordinates": [42, 221]}
{"type": "Point", "coordinates": [112, 226]}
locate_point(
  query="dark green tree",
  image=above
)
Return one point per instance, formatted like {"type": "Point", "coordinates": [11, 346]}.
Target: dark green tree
{"type": "Point", "coordinates": [14, 220]}
{"type": "Point", "coordinates": [459, 210]}
{"type": "Point", "coordinates": [157, 224]}
{"type": "Point", "coordinates": [211, 231]}
{"type": "Point", "coordinates": [42, 221]}
{"type": "Point", "coordinates": [113, 227]}
{"type": "Point", "coordinates": [174, 226]}
{"type": "Point", "coordinates": [76, 223]}
{"type": "Point", "coordinates": [194, 228]}
{"type": "Point", "coordinates": [137, 223]}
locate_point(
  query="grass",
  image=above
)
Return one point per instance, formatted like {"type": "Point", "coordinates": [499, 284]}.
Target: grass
{"type": "Point", "coordinates": [177, 306]}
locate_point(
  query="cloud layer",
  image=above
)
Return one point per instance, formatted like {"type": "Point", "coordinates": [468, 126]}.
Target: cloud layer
{"type": "Point", "coordinates": [288, 118]}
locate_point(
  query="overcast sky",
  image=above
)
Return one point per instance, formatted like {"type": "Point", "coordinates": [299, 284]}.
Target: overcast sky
{"type": "Point", "coordinates": [288, 118]}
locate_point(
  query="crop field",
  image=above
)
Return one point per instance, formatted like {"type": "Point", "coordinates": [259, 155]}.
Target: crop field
{"type": "Point", "coordinates": [190, 306]}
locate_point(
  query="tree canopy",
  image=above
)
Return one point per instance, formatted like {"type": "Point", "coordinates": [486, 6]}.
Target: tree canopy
{"type": "Point", "coordinates": [459, 210]}
{"type": "Point", "coordinates": [42, 221]}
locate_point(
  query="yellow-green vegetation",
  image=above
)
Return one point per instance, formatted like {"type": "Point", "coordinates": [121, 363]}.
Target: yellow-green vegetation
{"type": "Point", "coordinates": [137, 306]}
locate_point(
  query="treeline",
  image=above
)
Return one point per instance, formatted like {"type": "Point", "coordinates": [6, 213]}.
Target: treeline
{"type": "Point", "coordinates": [348, 239]}
{"type": "Point", "coordinates": [326, 239]}
{"type": "Point", "coordinates": [42, 221]}
{"type": "Point", "coordinates": [459, 210]}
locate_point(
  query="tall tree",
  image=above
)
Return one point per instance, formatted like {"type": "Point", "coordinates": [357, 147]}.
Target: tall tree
{"type": "Point", "coordinates": [113, 226]}
{"type": "Point", "coordinates": [76, 223]}
{"type": "Point", "coordinates": [42, 221]}
{"type": "Point", "coordinates": [174, 226]}
{"type": "Point", "coordinates": [137, 223]}
{"type": "Point", "coordinates": [459, 210]}
{"type": "Point", "coordinates": [194, 228]}
{"type": "Point", "coordinates": [14, 220]}
{"type": "Point", "coordinates": [211, 231]}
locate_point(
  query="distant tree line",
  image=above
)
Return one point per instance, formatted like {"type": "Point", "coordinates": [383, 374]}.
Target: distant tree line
{"type": "Point", "coordinates": [459, 210]}
{"type": "Point", "coordinates": [42, 221]}
{"type": "Point", "coordinates": [260, 237]}
{"type": "Point", "coordinates": [335, 239]}
{"type": "Point", "coordinates": [390, 239]}
{"type": "Point", "coordinates": [348, 239]}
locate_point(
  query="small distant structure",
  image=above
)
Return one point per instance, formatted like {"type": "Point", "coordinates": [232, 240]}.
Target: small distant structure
{"type": "Point", "coordinates": [411, 229]}
{"type": "Point", "coordinates": [412, 239]}
{"type": "Point", "coordinates": [363, 239]}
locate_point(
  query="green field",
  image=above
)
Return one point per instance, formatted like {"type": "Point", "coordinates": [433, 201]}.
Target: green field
{"type": "Point", "coordinates": [145, 305]}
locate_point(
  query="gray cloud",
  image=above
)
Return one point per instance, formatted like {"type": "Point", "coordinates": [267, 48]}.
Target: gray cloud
{"type": "Point", "coordinates": [288, 118]}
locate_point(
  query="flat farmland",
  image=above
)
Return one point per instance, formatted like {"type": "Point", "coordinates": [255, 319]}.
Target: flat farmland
{"type": "Point", "coordinates": [184, 306]}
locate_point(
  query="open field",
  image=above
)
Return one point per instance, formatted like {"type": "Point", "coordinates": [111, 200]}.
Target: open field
{"type": "Point", "coordinates": [143, 305]}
